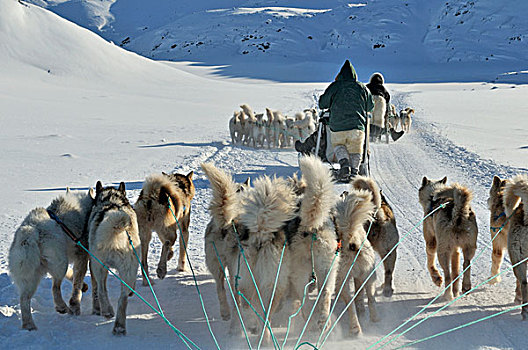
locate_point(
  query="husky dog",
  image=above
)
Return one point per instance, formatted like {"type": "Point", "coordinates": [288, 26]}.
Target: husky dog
{"type": "Point", "coordinates": [259, 131]}
{"type": "Point", "coordinates": [236, 127]}
{"type": "Point", "coordinates": [112, 231]}
{"type": "Point", "coordinates": [154, 214]}
{"type": "Point", "coordinates": [454, 227]}
{"type": "Point", "coordinates": [378, 116]}
{"type": "Point", "coordinates": [383, 233]}
{"type": "Point", "coordinates": [221, 243]}
{"type": "Point", "coordinates": [313, 231]}
{"type": "Point", "coordinates": [281, 133]}
{"type": "Point", "coordinates": [305, 124]}
{"type": "Point", "coordinates": [405, 118]}
{"type": "Point", "coordinates": [497, 221]}
{"type": "Point", "coordinates": [353, 211]}
{"type": "Point", "coordinates": [41, 246]}
{"type": "Point", "coordinates": [394, 118]}
{"type": "Point", "coordinates": [312, 112]}
{"type": "Point", "coordinates": [516, 207]}
{"type": "Point", "coordinates": [249, 124]}
{"type": "Point", "coordinates": [425, 197]}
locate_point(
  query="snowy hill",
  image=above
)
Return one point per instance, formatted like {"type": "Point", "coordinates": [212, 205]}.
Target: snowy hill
{"type": "Point", "coordinates": [75, 109]}
{"type": "Point", "coordinates": [410, 40]}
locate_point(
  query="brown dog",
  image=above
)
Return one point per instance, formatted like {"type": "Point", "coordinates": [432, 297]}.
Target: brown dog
{"type": "Point", "coordinates": [154, 214]}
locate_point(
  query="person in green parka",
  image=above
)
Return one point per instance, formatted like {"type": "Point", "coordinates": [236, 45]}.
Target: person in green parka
{"type": "Point", "coordinates": [349, 101]}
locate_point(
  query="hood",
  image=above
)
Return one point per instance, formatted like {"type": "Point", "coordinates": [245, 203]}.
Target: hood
{"type": "Point", "coordinates": [347, 72]}
{"type": "Point", "coordinates": [377, 79]}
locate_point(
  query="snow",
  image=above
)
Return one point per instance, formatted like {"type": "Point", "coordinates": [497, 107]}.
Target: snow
{"type": "Point", "coordinates": [76, 108]}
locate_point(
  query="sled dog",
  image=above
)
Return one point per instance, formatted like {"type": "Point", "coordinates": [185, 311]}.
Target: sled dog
{"type": "Point", "coordinates": [236, 127]}
{"type": "Point", "coordinates": [405, 118]}
{"type": "Point", "coordinates": [497, 222]}
{"type": "Point", "coordinates": [353, 211]}
{"type": "Point", "coordinates": [383, 233]}
{"type": "Point", "coordinates": [454, 227]}
{"type": "Point", "coordinates": [312, 230]}
{"type": "Point", "coordinates": [111, 225]}
{"type": "Point", "coordinates": [221, 243]}
{"type": "Point", "coordinates": [155, 215]}
{"type": "Point", "coordinates": [249, 124]}
{"type": "Point", "coordinates": [516, 206]}
{"type": "Point", "coordinates": [41, 246]}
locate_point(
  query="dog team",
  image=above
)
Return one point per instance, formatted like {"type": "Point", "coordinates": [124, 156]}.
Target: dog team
{"type": "Point", "coordinates": [273, 131]}
{"type": "Point", "coordinates": [297, 223]}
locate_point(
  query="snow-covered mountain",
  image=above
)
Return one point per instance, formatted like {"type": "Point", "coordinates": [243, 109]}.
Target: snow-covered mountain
{"type": "Point", "coordinates": [410, 40]}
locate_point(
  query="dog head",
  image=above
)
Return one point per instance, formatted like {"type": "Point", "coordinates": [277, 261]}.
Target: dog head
{"type": "Point", "coordinates": [426, 190]}
{"type": "Point", "coordinates": [495, 199]}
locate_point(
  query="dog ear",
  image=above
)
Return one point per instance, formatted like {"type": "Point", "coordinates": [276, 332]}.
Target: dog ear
{"type": "Point", "coordinates": [496, 181]}
{"type": "Point", "coordinates": [247, 182]}
{"type": "Point", "coordinates": [98, 187]}
{"type": "Point", "coordinates": [91, 193]}
{"type": "Point", "coordinates": [425, 181]}
{"type": "Point", "coordinates": [163, 198]}
{"type": "Point", "coordinates": [68, 191]}
{"type": "Point", "coordinates": [122, 188]}
{"type": "Point", "coordinates": [164, 173]}
{"type": "Point", "coordinates": [444, 180]}
{"type": "Point", "coordinates": [190, 175]}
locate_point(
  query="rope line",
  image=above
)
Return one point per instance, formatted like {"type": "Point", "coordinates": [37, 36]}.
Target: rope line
{"type": "Point", "coordinates": [296, 313]}
{"type": "Point", "coordinates": [250, 273]}
{"type": "Point", "coordinates": [460, 296]}
{"type": "Point", "coordinates": [316, 300]}
{"type": "Point", "coordinates": [234, 299]}
{"type": "Point", "coordinates": [344, 283]}
{"type": "Point", "coordinates": [182, 336]}
{"type": "Point", "coordinates": [443, 205]}
{"type": "Point", "coordinates": [462, 326]}
{"type": "Point", "coordinates": [271, 298]}
{"type": "Point", "coordinates": [194, 276]}
{"type": "Point", "coordinates": [438, 296]}
{"type": "Point", "coordinates": [144, 274]}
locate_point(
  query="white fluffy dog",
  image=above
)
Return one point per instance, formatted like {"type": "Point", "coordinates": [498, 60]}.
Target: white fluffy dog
{"type": "Point", "coordinates": [41, 246]}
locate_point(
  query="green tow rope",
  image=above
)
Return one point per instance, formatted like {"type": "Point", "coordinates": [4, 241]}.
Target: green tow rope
{"type": "Point", "coordinates": [182, 336]}
{"type": "Point", "coordinates": [233, 296]}
{"type": "Point", "coordinates": [194, 276]}
{"type": "Point", "coordinates": [376, 267]}
{"type": "Point", "coordinates": [463, 326]}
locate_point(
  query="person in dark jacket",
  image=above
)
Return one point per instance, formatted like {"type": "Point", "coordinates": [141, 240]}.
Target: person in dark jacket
{"type": "Point", "coordinates": [377, 88]}
{"type": "Point", "coordinates": [349, 101]}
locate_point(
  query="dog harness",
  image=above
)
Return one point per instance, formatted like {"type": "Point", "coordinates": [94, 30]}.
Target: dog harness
{"type": "Point", "coordinates": [63, 226]}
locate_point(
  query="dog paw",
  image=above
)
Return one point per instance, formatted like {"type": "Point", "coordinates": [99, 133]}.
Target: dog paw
{"type": "Point", "coordinates": [29, 326]}
{"type": "Point", "coordinates": [119, 331]}
{"type": "Point", "coordinates": [75, 309]}
{"type": "Point", "coordinates": [437, 279]}
{"type": "Point", "coordinates": [496, 280]}
{"type": "Point", "coordinates": [447, 297]}
{"type": "Point", "coordinates": [355, 331]}
{"type": "Point", "coordinates": [63, 309]}
{"type": "Point", "coordinates": [517, 300]}
{"type": "Point", "coordinates": [161, 273]}
{"type": "Point", "coordinates": [226, 315]}
{"type": "Point", "coordinates": [108, 313]}
{"type": "Point", "coordinates": [387, 292]}
{"type": "Point", "coordinates": [466, 289]}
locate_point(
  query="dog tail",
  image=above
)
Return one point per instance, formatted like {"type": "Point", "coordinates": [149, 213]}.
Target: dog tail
{"type": "Point", "coordinates": [224, 204]}
{"type": "Point", "coordinates": [24, 254]}
{"type": "Point", "coordinates": [268, 206]}
{"type": "Point", "coordinates": [356, 209]}
{"type": "Point", "coordinates": [517, 190]}
{"type": "Point", "coordinates": [118, 220]}
{"type": "Point", "coordinates": [461, 196]}
{"type": "Point", "coordinates": [366, 183]}
{"type": "Point", "coordinates": [248, 111]}
{"type": "Point", "coordinates": [319, 197]}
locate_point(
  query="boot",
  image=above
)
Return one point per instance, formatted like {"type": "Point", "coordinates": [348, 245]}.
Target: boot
{"type": "Point", "coordinates": [305, 147]}
{"type": "Point", "coordinates": [396, 134]}
{"type": "Point", "coordinates": [345, 170]}
{"type": "Point", "coordinates": [355, 162]}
